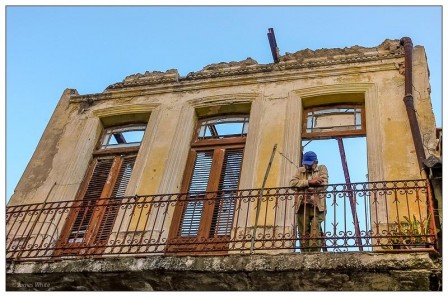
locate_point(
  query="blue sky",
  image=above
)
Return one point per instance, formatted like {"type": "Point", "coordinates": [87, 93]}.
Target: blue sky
{"type": "Point", "coordinates": [49, 49]}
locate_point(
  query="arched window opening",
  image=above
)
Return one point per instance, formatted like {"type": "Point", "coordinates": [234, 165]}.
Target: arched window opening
{"type": "Point", "coordinates": [90, 223]}
{"type": "Point", "coordinates": [210, 182]}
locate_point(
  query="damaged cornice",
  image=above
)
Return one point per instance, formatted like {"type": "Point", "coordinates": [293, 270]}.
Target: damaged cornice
{"type": "Point", "coordinates": [301, 64]}
{"type": "Point", "coordinates": [300, 59]}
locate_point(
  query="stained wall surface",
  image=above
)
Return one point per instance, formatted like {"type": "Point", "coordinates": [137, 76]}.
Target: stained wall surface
{"type": "Point", "coordinates": [319, 272]}
{"type": "Point", "coordinates": [277, 95]}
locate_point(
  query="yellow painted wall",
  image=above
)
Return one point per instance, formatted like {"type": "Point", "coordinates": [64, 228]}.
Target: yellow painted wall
{"type": "Point", "coordinates": [65, 149]}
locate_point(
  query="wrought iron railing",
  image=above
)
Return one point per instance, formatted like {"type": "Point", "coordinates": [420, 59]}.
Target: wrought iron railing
{"type": "Point", "coordinates": [391, 216]}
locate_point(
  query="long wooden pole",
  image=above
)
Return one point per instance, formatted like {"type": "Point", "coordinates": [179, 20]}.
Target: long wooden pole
{"type": "Point", "coordinates": [350, 193]}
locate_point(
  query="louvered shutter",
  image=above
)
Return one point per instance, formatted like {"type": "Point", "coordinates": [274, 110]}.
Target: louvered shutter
{"type": "Point", "coordinates": [92, 194]}
{"type": "Point", "coordinates": [108, 220]}
{"type": "Point", "coordinates": [203, 221]}
{"type": "Point", "coordinates": [192, 213]}
{"type": "Point", "coordinates": [228, 184]}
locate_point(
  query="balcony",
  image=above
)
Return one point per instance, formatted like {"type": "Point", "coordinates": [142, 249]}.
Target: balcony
{"type": "Point", "coordinates": [389, 216]}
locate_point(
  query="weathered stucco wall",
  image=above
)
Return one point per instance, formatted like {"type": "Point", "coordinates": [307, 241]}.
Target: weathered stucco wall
{"type": "Point", "coordinates": [74, 129]}
{"type": "Point", "coordinates": [312, 272]}
{"type": "Point", "coordinates": [276, 94]}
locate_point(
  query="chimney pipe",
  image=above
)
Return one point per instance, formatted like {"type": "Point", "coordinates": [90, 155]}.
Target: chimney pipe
{"type": "Point", "coordinates": [273, 45]}
{"type": "Point", "coordinates": [408, 99]}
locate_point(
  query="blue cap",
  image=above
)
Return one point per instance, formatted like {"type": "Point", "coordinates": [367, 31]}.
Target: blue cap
{"type": "Point", "coordinates": [309, 158]}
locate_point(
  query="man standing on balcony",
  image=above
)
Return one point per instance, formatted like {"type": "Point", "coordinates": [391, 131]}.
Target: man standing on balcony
{"type": "Point", "coordinates": [311, 182]}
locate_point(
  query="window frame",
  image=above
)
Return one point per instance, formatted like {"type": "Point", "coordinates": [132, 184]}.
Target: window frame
{"type": "Point", "coordinates": [108, 132]}
{"type": "Point", "coordinates": [198, 142]}
{"type": "Point", "coordinates": [89, 239]}
{"type": "Point", "coordinates": [121, 149]}
{"type": "Point", "coordinates": [219, 147]}
{"type": "Point", "coordinates": [335, 133]}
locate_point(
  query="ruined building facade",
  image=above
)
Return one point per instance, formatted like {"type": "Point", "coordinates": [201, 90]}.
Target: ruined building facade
{"type": "Point", "coordinates": [159, 168]}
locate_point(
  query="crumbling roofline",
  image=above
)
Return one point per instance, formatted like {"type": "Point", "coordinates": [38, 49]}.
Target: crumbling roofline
{"type": "Point", "coordinates": [229, 70]}
{"type": "Point", "coordinates": [301, 59]}
{"type": "Point", "coordinates": [152, 87]}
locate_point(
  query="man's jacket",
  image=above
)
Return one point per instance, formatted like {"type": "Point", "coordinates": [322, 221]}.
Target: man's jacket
{"type": "Point", "coordinates": [308, 194]}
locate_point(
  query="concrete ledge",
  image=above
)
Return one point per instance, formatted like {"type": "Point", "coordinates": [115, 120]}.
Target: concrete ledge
{"type": "Point", "coordinates": [310, 272]}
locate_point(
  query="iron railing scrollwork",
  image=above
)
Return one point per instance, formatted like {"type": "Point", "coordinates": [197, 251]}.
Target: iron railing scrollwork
{"type": "Point", "coordinates": [393, 216]}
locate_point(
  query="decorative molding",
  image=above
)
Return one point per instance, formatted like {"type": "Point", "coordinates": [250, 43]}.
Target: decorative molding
{"type": "Point", "coordinates": [124, 109]}
{"type": "Point", "coordinates": [333, 89]}
{"type": "Point", "coordinates": [286, 73]}
{"type": "Point", "coordinates": [269, 98]}
{"type": "Point", "coordinates": [224, 99]}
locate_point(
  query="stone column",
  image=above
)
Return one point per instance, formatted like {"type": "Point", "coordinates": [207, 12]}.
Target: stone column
{"type": "Point", "coordinates": [284, 222]}
{"type": "Point", "coordinates": [161, 211]}
{"type": "Point", "coordinates": [250, 163]}
{"type": "Point", "coordinates": [245, 215]}
{"type": "Point", "coordinates": [178, 153]}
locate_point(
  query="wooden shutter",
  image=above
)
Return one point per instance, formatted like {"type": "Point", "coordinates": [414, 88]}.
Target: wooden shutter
{"type": "Point", "coordinates": [192, 213]}
{"type": "Point", "coordinates": [228, 183]}
{"type": "Point", "coordinates": [90, 222]}
{"type": "Point", "coordinates": [203, 218]}
{"type": "Point", "coordinates": [108, 220]}
{"type": "Point", "coordinates": [222, 212]}
{"type": "Point", "coordinates": [92, 194]}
